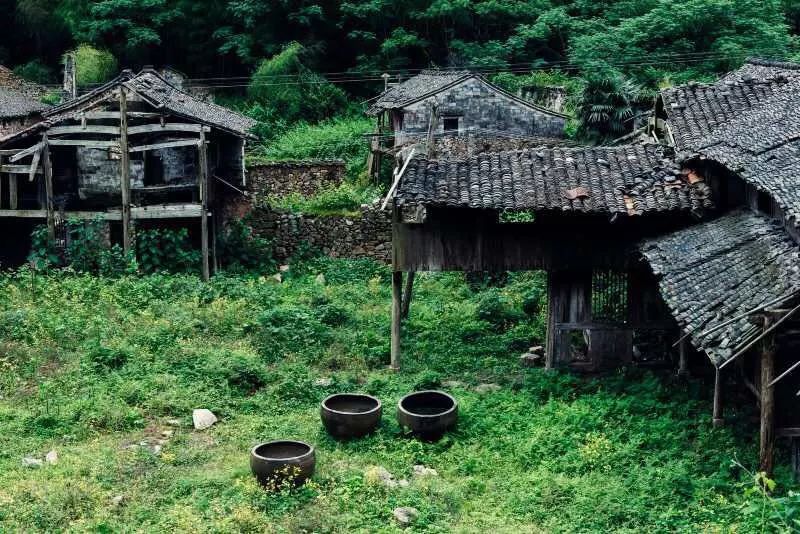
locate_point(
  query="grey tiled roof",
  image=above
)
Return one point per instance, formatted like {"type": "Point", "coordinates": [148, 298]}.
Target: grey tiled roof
{"type": "Point", "coordinates": [632, 180]}
{"type": "Point", "coordinates": [15, 104]}
{"type": "Point", "coordinates": [160, 94]}
{"type": "Point", "coordinates": [716, 270]}
{"type": "Point", "coordinates": [695, 110]}
{"type": "Point", "coordinates": [423, 84]}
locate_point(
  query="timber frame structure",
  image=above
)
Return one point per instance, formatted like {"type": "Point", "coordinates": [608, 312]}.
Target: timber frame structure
{"type": "Point", "coordinates": [687, 243]}
{"type": "Point", "coordinates": [136, 149]}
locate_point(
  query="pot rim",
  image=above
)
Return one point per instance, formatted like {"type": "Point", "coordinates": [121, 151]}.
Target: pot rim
{"type": "Point", "coordinates": [377, 407]}
{"type": "Point", "coordinates": [451, 409]}
{"type": "Point", "coordinates": [309, 452]}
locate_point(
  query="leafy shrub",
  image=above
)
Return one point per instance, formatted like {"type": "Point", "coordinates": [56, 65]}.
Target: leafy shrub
{"type": "Point", "coordinates": [495, 309]}
{"type": "Point", "coordinates": [166, 250]}
{"type": "Point", "coordinates": [104, 356]}
{"type": "Point", "coordinates": [241, 250]}
{"type": "Point", "coordinates": [345, 199]}
{"type": "Point", "coordinates": [43, 254]}
{"type": "Point", "coordinates": [479, 280]}
{"type": "Point", "coordinates": [93, 65]}
{"type": "Point", "coordinates": [286, 329]}
{"type": "Point", "coordinates": [244, 372]}
{"type": "Point", "coordinates": [35, 71]}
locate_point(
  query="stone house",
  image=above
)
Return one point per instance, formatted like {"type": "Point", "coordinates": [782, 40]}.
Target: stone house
{"type": "Point", "coordinates": [447, 103]}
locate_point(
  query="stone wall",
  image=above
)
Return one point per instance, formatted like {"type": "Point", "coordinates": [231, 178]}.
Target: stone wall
{"type": "Point", "coordinates": [366, 236]}
{"type": "Point", "coordinates": [283, 178]}
{"type": "Point", "coordinates": [480, 110]}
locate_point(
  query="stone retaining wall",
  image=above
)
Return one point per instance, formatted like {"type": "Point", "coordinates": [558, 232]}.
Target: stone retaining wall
{"type": "Point", "coordinates": [282, 178]}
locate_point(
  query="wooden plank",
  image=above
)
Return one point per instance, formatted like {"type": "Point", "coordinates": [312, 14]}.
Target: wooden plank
{"type": "Point", "coordinates": [167, 127]}
{"type": "Point", "coordinates": [48, 184]}
{"type": "Point", "coordinates": [170, 211]}
{"type": "Point", "coordinates": [1, 182]}
{"type": "Point", "coordinates": [8, 151]}
{"type": "Point", "coordinates": [25, 153]}
{"type": "Point", "coordinates": [397, 288]}
{"type": "Point", "coordinates": [407, 295]}
{"type": "Point", "coordinates": [106, 115]}
{"type": "Point", "coordinates": [767, 430]}
{"type": "Point", "coordinates": [203, 184]}
{"type": "Point", "coordinates": [168, 144]}
{"type": "Point", "coordinates": [86, 143]}
{"type": "Point", "coordinates": [13, 193]}
{"type": "Point", "coordinates": [125, 172]}
{"type": "Point", "coordinates": [717, 417]}
{"type": "Point", "coordinates": [17, 169]}
{"type": "Point", "coordinates": [788, 432]}
{"type": "Point", "coordinates": [37, 156]}
{"type": "Point", "coordinates": [93, 129]}
{"type": "Point", "coordinates": [175, 211]}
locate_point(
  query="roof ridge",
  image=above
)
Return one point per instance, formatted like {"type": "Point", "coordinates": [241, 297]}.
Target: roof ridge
{"type": "Point", "coordinates": [765, 62]}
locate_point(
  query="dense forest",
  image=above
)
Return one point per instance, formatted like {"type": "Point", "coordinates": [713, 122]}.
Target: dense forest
{"type": "Point", "coordinates": [651, 40]}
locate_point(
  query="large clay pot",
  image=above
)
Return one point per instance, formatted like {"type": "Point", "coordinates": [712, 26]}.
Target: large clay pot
{"type": "Point", "coordinates": [350, 415]}
{"type": "Point", "coordinates": [276, 462]}
{"type": "Point", "coordinates": [428, 414]}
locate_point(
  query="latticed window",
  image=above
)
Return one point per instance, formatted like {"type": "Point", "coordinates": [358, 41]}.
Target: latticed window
{"type": "Point", "coordinates": [609, 297]}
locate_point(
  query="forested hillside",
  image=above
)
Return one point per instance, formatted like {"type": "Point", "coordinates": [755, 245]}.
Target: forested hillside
{"type": "Point", "coordinates": [653, 40]}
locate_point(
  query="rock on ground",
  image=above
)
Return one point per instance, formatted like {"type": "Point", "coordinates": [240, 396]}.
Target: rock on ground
{"type": "Point", "coordinates": [422, 471]}
{"type": "Point", "coordinates": [486, 388]}
{"type": "Point", "coordinates": [405, 515]}
{"type": "Point", "coordinates": [51, 457]}
{"type": "Point", "coordinates": [203, 418]}
{"type": "Point", "coordinates": [31, 462]}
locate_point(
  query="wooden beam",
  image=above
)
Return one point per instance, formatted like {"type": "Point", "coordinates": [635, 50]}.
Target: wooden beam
{"type": "Point", "coordinates": [100, 115]}
{"type": "Point", "coordinates": [397, 288]}
{"type": "Point", "coordinates": [683, 358]}
{"type": "Point", "coordinates": [168, 144]}
{"type": "Point", "coordinates": [203, 183]}
{"type": "Point", "coordinates": [407, 294]}
{"type": "Point", "coordinates": [125, 172]}
{"type": "Point", "coordinates": [167, 127]}
{"type": "Point", "coordinates": [87, 143]}
{"type": "Point", "coordinates": [717, 418]}
{"type": "Point", "coordinates": [8, 151]}
{"type": "Point", "coordinates": [767, 434]}
{"type": "Point", "coordinates": [170, 211]}
{"type": "Point", "coordinates": [25, 153]}
{"type": "Point", "coordinates": [17, 169]}
{"type": "Point", "coordinates": [48, 185]}
{"type": "Point", "coordinates": [13, 191]}
{"type": "Point", "coordinates": [37, 156]}
{"type": "Point", "coordinates": [1, 182]}
{"type": "Point", "coordinates": [93, 129]}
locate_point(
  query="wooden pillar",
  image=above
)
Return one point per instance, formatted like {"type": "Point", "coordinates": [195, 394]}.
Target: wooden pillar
{"type": "Point", "coordinates": [125, 171]}
{"type": "Point", "coordinates": [407, 294]}
{"type": "Point", "coordinates": [717, 418]}
{"type": "Point", "coordinates": [1, 181]}
{"type": "Point", "coordinates": [549, 345]}
{"type": "Point", "coordinates": [48, 188]}
{"type": "Point", "coordinates": [767, 435]}
{"type": "Point", "coordinates": [13, 191]}
{"type": "Point", "coordinates": [203, 183]}
{"type": "Point", "coordinates": [683, 358]}
{"type": "Point", "coordinates": [397, 286]}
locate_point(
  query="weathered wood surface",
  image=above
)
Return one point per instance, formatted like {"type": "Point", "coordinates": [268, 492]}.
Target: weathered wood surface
{"type": "Point", "coordinates": [17, 169]}
{"type": "Point", "coordinates": [767, 433]}
{"type": "Point", "coordinates": [86, 143]}
{"type": "Point", "coordinates": [125, 172]}
{"type": "Point", "coordinates": [88, 129]}
{"type": "Point", "coordinates": [203, 185]}
{"type": "Point", "coordinates": [717, 416]}
{"type": "Point", "coordinates": [170, 211]}
{"type": "Point", "coordinates": [167, 127]}
{"type": "Point", "coordinates": [408, 294]}
{"type": "Point", "coordinates": [167, 144]}
{"type": "Point", "coordinates": [26, 152]}
{"type": "Point", "coordinates": [48, 187]}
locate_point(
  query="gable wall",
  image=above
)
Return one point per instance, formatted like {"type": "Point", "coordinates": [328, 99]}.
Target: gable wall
{"type": "Point", "coordinates": [481, 111]}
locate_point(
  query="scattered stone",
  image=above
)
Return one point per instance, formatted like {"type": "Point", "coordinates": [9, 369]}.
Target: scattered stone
{"type": "Point", "coordinates": [156, 449]}
{"type": "Point", "coordinates": [323, 382]}
{"type": "Point", "coordinates": [203, 418]}
{"type": "Point", "coordinates": [377, 475]}
{"type": "Point", "coordinates": [452, 384]}
{"type": "Point", "coordinates": [167, 433]}
{"type": "Point", "coordinates": [538, 349]}
{"type": "Point", "coordinates": [277, 277]}
{"type": "Point", "coordinates": [283, 268]}
{"type": "Point", "coordinates": [403, 483]}
{"type": "Point", "coordinates": [487, 388]}
{"type": "Point", "coordinates": [320, 279]}
{"type": "Point", "coordinates": [117, 500]}
{"type": "Point", "coordinates": [405, 515]}
{"type": "Point", "coordinates": [422, 471]}
{"type": "Point", "coordinates": [51, 457]}
{"type": "Point", "coordinates": [174, 422]}
{"type": "Point", "coordinates": [32, 463]}
{"type": "Point", "coordinates": [529, 360]}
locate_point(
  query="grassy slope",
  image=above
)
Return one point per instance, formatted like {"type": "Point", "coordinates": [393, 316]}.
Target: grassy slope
{"type": "Point", "coordinates": [92, 366]}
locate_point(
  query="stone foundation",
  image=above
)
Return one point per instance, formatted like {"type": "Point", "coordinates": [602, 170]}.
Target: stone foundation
{"type": "Point", "coordinates": [282, 178]}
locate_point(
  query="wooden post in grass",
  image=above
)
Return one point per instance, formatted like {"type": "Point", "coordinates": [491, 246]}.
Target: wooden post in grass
{"type": "Point", "coordinates": [48, 187]}
{"type": "Point", "coordinates": [203, 182]}
{"type": "Point", "coordinates": [717, 419]}
{"type": "Point", "coordinates": [407, 294]}
{"type": "Point", "coordinates": [767, 434]}
{"type": "Point", "coordinates": [125, 171]}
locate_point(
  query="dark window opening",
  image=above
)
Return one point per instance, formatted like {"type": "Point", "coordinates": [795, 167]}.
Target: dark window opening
{"type": "Point", "coordinates": [764, 203]}
{"type": "Point", "coordinates": [154, 168]}
{"type": "Point", "coordinates": [609, 297]}
{"type": "Point", "coordinates": [450, 124]}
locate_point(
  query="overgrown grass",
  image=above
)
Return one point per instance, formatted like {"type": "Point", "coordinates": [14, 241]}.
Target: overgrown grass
{"type": "Point", "coordinates": [97, 369]}
{"type": "Point", "coordinates": [337, 138]}
{"type": "Point", "coordinates": [345, 199]}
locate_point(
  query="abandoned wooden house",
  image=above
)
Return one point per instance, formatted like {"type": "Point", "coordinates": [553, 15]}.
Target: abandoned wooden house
{"type": "Point", "coordinates": [135, 151]}
{"type": "Point", "coordinates": [20, 103]}
{"type": "Point", "coordinates": [453, 110]}
{"type": "Point", "coordinates": [654, 251]}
